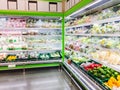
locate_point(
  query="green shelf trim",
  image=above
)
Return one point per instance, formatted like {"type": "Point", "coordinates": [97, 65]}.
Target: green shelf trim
{"type": "Point", "coordinates": [41, 65]}
{"type": "Point", "coordinates": [7, 68]}
{"type": "Point", "coordinates": [30, 66]}
{"type": "Point", "coordinates": [76, 7]}
{"type": "Point", "coordinates": [29, 13]}
{"type": "Point", "coordinates": [63, 37]}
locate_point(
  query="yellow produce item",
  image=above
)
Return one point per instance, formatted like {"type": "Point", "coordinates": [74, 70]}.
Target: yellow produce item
{"type": "Point", "coordinates": [10, 58]}
{"type": "Point", "coordinates": [113, 82]}
{"type": "Point", "coordinates": [118, 83]}
{"type": "Point", "coordinates": [118, 77]}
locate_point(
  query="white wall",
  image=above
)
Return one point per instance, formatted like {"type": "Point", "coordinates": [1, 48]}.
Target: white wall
{"type": "Point", "coordinates": [3, 4]}
{"type": "Point", "coordinates": [22, 4]}
{"type": "Point", "coordinates": [59, 7]}
{"type": "Point", "coordinates": [70, 4]}
{"type": "Point", "coordinates": [43, 6]}
{"type": "Point", "coordinates": [76, 1]}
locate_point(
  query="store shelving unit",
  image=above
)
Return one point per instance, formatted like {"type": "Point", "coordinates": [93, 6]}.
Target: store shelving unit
{"type": "Point", "coordinates": [83, 79]}
{"type": "Point", "coordinates": [40, 40]}
{"type": "Point", "coordinates": [114, 19]}
{"type": "Point", "coordinates": [76, 45]}
{"type": "Point", "coordinates": [30, 46]}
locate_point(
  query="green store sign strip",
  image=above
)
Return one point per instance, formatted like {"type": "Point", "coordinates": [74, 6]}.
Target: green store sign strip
{"type": "Point", "coordinates": [29, 13]}
{"type": "Point", "coordinates": [76, 7]}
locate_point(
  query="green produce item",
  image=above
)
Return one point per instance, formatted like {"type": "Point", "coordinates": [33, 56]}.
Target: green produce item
{"type": "Point", "coordinates": [103, 73]}
{"type": "Point", "coordinates": [79, 59]}
{"type": "Point", "coordinates": [55, 55]}
{"type": "Point", "coordinates": [43, 56]}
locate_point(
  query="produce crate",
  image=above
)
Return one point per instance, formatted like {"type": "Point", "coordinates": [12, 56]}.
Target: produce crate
{"type": "Point", "coordinates": [98, 80]}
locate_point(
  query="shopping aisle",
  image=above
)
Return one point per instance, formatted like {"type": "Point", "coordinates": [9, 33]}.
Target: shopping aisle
{"type": "Point", "coordinates": [35, 79]}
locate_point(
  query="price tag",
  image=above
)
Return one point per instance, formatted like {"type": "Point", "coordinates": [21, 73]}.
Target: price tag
{"type": "Point", "coordinates": [11, 65]}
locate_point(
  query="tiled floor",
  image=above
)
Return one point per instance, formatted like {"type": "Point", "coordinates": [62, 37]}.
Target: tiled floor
{"type": "Point", "coordinates": [35, 79]}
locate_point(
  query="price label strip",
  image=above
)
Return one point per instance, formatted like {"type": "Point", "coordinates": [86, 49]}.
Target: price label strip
{"type": "Point", "coordinates": [11, 66]}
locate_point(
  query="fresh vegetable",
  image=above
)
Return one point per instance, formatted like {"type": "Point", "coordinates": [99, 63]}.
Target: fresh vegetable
{"type": "Point", "coordinates": [91, 66]}
{"type": "Point", "coordinates": [113, 82]}
{"type": "Point", "coordinates": [103, 73]}
{"type": "Point", "coordinates": [79, 59]}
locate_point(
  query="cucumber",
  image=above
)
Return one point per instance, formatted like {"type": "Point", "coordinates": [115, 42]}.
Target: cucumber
{"type": "Point", "coordinates": [103, 76]}
{"type": "Point", "coordinates": [107, 75]}
{"type": "Point", "coordinates": [102, 71]}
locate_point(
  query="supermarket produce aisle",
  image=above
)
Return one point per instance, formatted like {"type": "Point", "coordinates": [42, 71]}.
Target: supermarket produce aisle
{"type": "Point", "coordinates": [36, 79]}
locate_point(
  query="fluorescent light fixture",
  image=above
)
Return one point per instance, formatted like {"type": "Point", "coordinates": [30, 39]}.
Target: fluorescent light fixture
{"type": "Point", "coordinates": [82, 9]}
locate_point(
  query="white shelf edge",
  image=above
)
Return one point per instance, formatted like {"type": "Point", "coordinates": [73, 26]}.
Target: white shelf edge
{"type": "Point", "coordinates": [83, 78]}
{"type": "Point", "coordinates": [44, 50]}
{"type": "Point", "coordinates": [78, 35]}
{"type": "Point", "coordinates": [113, 19]}
{"type": "Point", "coordinates": [38, 35]}
{"type": "Point", "coordinates": [100, 35]}
{"type": "Point", "coordinates": [42, 43]}
{"type": "Point", "coordinates": [3, 28]}
{"type": "Point", "coordinates": [29, 62]}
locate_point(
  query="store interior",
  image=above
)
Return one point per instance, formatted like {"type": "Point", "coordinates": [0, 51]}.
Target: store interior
{"type": "Point", "coordinates": [60, 44]}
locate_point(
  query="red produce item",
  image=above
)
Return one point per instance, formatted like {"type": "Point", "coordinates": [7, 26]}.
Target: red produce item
{"type": "Point", "coordinates": [92, 66]}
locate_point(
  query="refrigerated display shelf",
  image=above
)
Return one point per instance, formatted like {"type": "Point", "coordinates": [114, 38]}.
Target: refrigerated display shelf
{"type": "Point", "coordinates": [115, 67]}
{"type": "Point", "coordinates": [3, 28]}
{"type": "Point", "coordinates": [39, 35]}
{"type": "Point", "coordinates": [103, 48]}
{"type": "Point", "coordinates": [42, 50]}
{"type": "Point", "coordinates": [26, 66]}
{"type": "Point", "coordinates": [78, 34]}
{"type": "Point", "coordinates": [95, 35]}
{"type": "Point", "coordinates": [43, 43]}
{"type": "Point", "coordinates": [81, 53]}
{"type": "Point", "coordinates": [114, 19]}
{"type": "Point", "coordinates": [30, 62]}
{"type": "Point", "coordinates": [72, 78]}
{"type": "Point", "coordinates": [97, 47]}
{"type": "Point", "coordinates": [84, 79]}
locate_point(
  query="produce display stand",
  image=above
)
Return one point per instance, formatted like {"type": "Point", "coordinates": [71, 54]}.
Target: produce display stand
{"type": "Point", "coordinates": [29, 63]}
{"type": "Point", "coordinates": [82, 78]}
{"type": "Point", "coordinates": [82, 39]}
